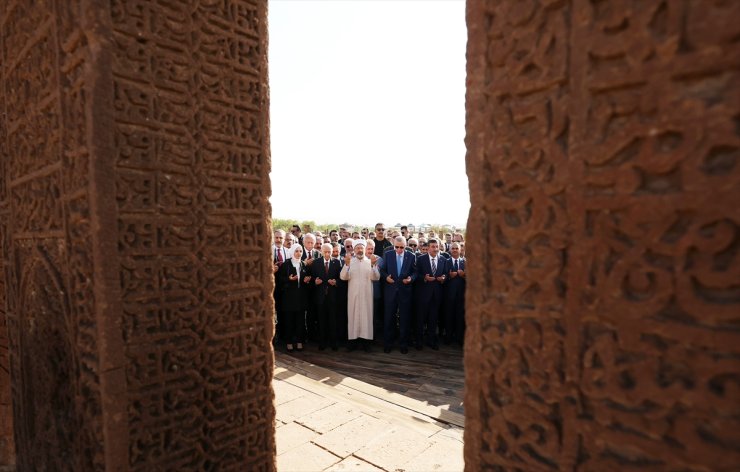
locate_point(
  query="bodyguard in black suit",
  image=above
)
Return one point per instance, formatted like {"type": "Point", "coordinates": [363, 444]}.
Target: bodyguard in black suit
{"type": "Point", "coordinates": [279, 256]}
{"type": "Point", "coordinates": [342, 293]}
{"type": "Point", "coordinates": [454, 299]}
{"type": "Point", "coordinates": [431, 272]}
{"type": "Point", "coordinates": [325, 271]}
{"type": "Point", "coordinates": [309, 256]}
{"type": "Point", "coordinates": [398, 280]}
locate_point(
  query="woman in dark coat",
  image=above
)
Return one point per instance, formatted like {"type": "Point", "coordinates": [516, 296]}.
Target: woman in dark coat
{"type": "Point", "coordinates": [294, 278]}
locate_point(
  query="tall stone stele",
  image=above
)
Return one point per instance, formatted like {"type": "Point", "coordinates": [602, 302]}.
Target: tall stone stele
{"type": "Point", "coordinates": [603, 300]}
{"type": "Point", "coordinates": [133, 221]}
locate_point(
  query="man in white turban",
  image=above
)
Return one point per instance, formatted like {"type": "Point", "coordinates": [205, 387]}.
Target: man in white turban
{"type": "Point", "coordinates": [360, 272]}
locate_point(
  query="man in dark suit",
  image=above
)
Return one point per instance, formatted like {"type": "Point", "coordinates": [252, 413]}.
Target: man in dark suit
{"type": "Point", "coordinates": [309, 256]}
{"type": "Point", "coordinates": [279, 255]}
{"type": "Point", "coordinates": [342, 293]}
{"type": "Point", "coordinates": [454, 299]}
{"type": "Point", "coordinates": [325, 271]}
{"type": "Point", "coordinates": [431, 270]}
{"type": "Point", "coordinates": [448, 242]}
{"type": "Point", "coordinates": [398, 273]}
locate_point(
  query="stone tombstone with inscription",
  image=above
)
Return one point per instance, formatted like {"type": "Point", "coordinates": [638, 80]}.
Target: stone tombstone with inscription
{"type": "Point", "coordinates": [134, 167]}
{"type": "Point", "coordinates": [604, 292]}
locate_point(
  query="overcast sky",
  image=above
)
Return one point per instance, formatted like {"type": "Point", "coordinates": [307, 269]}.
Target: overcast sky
{"type": "Point", "coordinates": [375, 91]}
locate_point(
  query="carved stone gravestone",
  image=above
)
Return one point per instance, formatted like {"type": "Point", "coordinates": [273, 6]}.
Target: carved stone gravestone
{"type": "Point", "coordinates": [135, 161]}
{"type": "Point", "coordinates": [604, 292]}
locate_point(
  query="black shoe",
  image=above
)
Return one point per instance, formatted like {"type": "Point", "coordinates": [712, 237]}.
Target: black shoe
{"type": "Point", "coordinates": [366, 347]}
{"type": "Point", "coordinates": [322, 348]}
{"type": "Point", "coordinates": [351, 347]}
{"type": "Point", "coordinates": [433, 346]}
{"type": "Point", "coordinates": [387, 350]}
{"type": "Point", "coordinates": [419, 347]}
{"type": "Point", "coordinates": [334, 348]}
{"type": "Point", "coordinates": [404, 350]}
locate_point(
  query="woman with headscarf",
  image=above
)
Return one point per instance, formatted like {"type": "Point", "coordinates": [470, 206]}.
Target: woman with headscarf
{"type": "Point", "coordinates": [295, 279]}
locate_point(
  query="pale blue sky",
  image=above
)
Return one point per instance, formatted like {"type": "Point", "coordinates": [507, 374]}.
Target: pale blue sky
{"type": "Point", "coordinates": [374, 90]}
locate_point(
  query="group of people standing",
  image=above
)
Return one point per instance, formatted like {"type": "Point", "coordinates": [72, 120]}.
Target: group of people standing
{"type": "Point", "coordinates": [359, 289]}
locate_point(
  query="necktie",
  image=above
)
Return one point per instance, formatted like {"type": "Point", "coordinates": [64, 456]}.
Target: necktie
{"type": "Point", "coordinates": [455, 265]}
{"type": "Point", "coordinates": [434, 265]}
{"type": "Point", "coordinates": [326, 268]}
{"type": "Point", "coordinates": [280, 255]}
{"type": "Point", "coordinates": [399, 263]}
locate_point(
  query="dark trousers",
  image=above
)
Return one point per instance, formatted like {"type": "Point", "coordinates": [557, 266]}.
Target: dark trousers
{"type": "Point", "coordinates": [377, 318]}
{"type": "Point", "coordinates": [400, 303]}
{"type": "Point", "coordinates": [427, 314]}
{"type": "Point", "coordinates": [341, 306]}
{"type": "Point", "coordinates": [455, 317]}
{"type": "Point", "coordinates": [327, 320]}
{"type": "Point", "coordinates": [294, 323]}
{"type": "Point", "coordinates": [279, 319]}
{"type": "Point", "coordinates": [312, 324]}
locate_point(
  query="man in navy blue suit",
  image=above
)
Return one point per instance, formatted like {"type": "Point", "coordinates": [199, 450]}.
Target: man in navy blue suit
{"type": "Point", "coordinates": [454, 299]}
{"type": "Point", "coordinates": [431, 271]}
{"type": "Point", "coordinates": [398, 274]}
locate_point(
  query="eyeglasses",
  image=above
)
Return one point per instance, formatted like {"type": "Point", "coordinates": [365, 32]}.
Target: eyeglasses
{"type": "Point", "coordinates": [400, 247]}
{"type": "Point", "coordinates": [412, 245]}
{"type": "Point", "coordinates": [379, 229]}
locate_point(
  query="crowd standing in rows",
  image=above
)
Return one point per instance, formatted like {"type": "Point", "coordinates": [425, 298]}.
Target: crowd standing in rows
{"type": "Point", "coordinates": [356, 287]}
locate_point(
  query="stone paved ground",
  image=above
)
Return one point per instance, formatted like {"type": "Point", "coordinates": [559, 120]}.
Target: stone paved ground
{"type": "Point", "coordinates": [321, 428]}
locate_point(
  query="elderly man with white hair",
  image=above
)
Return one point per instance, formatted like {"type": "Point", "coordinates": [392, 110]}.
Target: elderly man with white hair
{"type": "Point", "coordinates": [360, 272]}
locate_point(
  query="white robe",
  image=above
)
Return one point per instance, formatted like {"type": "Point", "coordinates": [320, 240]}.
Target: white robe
{"type": "Point", "coordinates": [360, 274]}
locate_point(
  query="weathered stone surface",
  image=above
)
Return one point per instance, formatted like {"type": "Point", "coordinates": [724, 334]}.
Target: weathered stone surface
{"type": "Point", "coordinates": [301, 406]}
{"type": "Point", "coordinates": [443, 455]}
{"type": "Point", "coordinates": [397, 445]}
{"type": "Point", "coordinates": [352, 463]}
{"type": "Point", "coordinates": [306, 458]}
{"type": "Point", "coordinates": [603, 143]}
{"type": "Point", "coordinates": [353, 435]}
{"type": "Point", "coordinates": [133, 201]}
{"type": "Point", "coordinates": [292, 435]}
{"type": "Point", "coordinates": [7, 444]}
{"type": "Point", "coordinates": [329, 418]}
